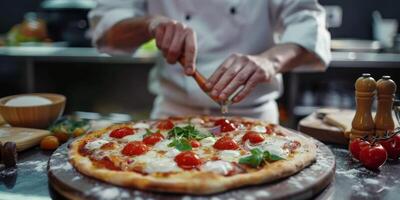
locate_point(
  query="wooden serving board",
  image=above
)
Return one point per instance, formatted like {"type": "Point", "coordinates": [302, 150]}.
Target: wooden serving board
{"type": "Point", "coordinates": [24, 138]}
{"type": "Point", "coordinates": [309, 182]}
{"type": "Point", "coordinates": [333, 128]}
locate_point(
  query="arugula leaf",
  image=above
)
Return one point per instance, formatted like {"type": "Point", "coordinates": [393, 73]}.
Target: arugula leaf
{"type": "Point", "coordinates": [189, 132]}
{"type": "Point", "coordinates": [254, 159]}
{"type": "Point", "coordinates": [257, 157]}
{"type": "Point", "coordinates": [181, 144]}
{"type": "Point", "coordinates": [148, 132]}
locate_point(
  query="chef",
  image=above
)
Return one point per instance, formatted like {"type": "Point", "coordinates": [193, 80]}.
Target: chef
{"type": "Point", "coordinates": [242, 47]}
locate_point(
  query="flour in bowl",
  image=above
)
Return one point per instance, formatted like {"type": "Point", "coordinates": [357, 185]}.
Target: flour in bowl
{"type": "Point", "coordinates": [28, 101]}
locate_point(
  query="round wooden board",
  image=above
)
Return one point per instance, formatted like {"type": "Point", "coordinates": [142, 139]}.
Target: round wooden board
{"type": "Point", "coordinates": [303, 185]}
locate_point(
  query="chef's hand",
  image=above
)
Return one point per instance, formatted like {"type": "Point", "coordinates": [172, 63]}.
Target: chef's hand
{"type": "Point", "coordinates": [176, 41]}
{"type": "Point", "coordinates": [238, 70]}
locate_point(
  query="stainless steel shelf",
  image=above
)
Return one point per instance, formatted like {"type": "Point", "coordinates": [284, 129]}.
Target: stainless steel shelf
{"type": "Point", "coordinates": [70, 54]}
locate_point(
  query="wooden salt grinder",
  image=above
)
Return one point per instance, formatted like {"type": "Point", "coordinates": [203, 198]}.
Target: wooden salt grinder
{"type": "Point", "coordinates": [386, 89]}
{"type": "Point", "coordinates": [363, 124]}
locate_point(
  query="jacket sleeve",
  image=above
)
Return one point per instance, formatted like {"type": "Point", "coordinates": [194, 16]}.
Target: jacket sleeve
{"type": "Point", "coordinates": [109, 12]}
{"type": "Point", "coordinates": [303, 22]}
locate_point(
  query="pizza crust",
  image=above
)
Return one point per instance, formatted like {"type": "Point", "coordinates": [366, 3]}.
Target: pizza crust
{"type": "Point", "coordinates": [195, 182]}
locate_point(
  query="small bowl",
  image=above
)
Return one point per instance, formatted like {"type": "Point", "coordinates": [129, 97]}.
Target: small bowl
{"type": "Point", "coordinates": [41, 116]}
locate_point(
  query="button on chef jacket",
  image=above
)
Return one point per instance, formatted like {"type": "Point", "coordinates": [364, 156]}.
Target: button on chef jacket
{"type": "Point", "coordinates": [223, 27]}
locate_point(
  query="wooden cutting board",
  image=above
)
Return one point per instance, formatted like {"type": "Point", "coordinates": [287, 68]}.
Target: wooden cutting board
{"type": "Point", "coordinates": [2, 122]}
{"type": "Point", "coordinates": [334, 127]}
{"type": "Point", "coordinates": [23, 137]}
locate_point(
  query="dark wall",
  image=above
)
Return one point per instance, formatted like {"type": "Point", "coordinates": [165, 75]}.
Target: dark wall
{"type": "Point", "coordinates": [357, 16]}
{"type": "Point", "coordinates": [12, 12]}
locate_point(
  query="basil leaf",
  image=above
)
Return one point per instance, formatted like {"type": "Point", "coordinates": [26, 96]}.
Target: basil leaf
{"type": "Point", "coordinates": [254, 160]}
{"type": "Point", "coordinates": [271, 157]}
{"type": "Point", "coordinates": [181, 144]}
{"type": "Point", "coordinates": [148, 132]}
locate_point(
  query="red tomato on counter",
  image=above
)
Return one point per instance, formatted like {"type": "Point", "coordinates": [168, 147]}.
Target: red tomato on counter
{"type": "Point", "coordinates": [373, 156]}
{"type": "Point", "coordinates": [356, 146]}
{"type": "Point", "coordinates": [392, 146]}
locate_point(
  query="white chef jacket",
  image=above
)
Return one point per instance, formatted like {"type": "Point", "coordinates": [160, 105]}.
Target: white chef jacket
{"type": "Point", "coordinates": [223, 27]}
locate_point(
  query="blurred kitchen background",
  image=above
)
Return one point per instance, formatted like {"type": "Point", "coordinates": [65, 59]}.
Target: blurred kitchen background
{"type": "Point", "coordinates": [364, 32]}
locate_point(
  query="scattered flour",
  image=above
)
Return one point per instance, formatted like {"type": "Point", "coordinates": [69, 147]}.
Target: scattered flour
{"type": "Point", "coordinates": [351, 174]}
{"type": "Point", "coordinates": [37, 165]}
{"type": "Point", "coordinates": [75, 178]}
{"type": "Point", "coordinates": [262, 193]}
{"type": "Point", "coordinates": [371, 181]}
{"type": "Point", "coordinates": [186, 198]}
{"type": "Point", "coordinates": [65, 167]}
{"type": "Point", "coordinates": [109, 193]}
{"type": "Point", "coordinates": [248, 197]}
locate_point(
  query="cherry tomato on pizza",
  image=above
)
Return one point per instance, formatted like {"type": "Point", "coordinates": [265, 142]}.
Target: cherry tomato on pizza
{"type": "Point", "coordinates": [122, 132]}
{"type": "Point", "coordinates": [195, 143]}
{"type": "Point", "coordinates": [225, 125]}
{"type": "Point", "coordinates": [165, 125]}
{"type": "Point", "coordinates": [226, 143]}
{"type": "Point", "coordinates": [253, 137]}
{"type": "Point", "coordinates": [187, 160]}
{"type": "Point", "coordinates": [135, 148]}
{"type": "Point", "coordinates": [153, 138]}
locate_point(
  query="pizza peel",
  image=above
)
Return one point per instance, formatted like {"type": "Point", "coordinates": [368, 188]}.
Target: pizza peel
{"type": "Point", "coordinates": [64, 180]}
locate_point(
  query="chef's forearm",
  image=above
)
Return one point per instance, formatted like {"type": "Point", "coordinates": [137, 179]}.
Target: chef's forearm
{"type": "Point", "coordinates": [126, 35]}
{"type": "Point", "coordinates": [286, 57]}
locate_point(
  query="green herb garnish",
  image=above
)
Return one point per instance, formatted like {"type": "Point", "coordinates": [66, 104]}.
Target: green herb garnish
{"type": "Point", "coordinates": [148, 132]}
{"type": "Point", "coordinates": [182, 136]}
{"type": "Point", "coordinates": [189, 132]}
{"type": "Point", "coordinates": [181, 144]}
{"type": "Point", "coordinates": [257, 157]}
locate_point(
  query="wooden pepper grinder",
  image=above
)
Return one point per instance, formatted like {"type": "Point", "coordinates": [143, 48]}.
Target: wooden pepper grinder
{"type": "Point", "coordinates": [386, 89]}
{"type": "Point", "coordinates": [363, 124]}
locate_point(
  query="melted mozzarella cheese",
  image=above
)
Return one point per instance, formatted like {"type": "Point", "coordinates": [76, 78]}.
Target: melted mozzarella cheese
{"type": "Point", "coordinates": [141, 125]}
{"type": "Point", "coordinates": [154, 162]}
{"type": "Point", "coordinates": [138, 136]}
{"type": "Point", "coordinates": [196, 121]}
{"type": "Point", "coordinates": [161, 165]}
{"type": "Point", "coordinates": [229, 155]}
{"type": "Point", "coordinates": [163, 145]}
{"type": "Point", "coordinates": [207, 142]}
{"type": "Point", "coordinates": [96, 144]}
{"type": "Point", "coordinates": [172, 153]}
{"type": "Point", "coordinates": [275, 146]}
{"type": "Point", "coordinates": [260, 129]}
{"type": "Point", "coordinates": [218, 166]}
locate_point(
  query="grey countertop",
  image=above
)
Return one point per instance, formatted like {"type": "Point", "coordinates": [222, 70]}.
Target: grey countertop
{"type": "Point", "coordinates": [74, 54]}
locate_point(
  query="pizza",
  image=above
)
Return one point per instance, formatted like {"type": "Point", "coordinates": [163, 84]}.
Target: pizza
{"type": "Point", "coordinates": [193, 155]}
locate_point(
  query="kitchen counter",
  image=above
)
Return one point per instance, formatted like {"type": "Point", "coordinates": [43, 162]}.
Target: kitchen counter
{"type": "Point", "coordinates": [75, 54]}
{"type": "Point", "coordinates": [352, 181]}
